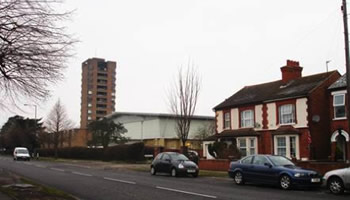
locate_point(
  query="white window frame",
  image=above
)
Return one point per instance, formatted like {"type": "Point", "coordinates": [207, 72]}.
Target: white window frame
{"type": "Point", "coordinates": [280, 114]}
{"type": "Point", "coordinates": [228, 121]}
{"type": "Point", "coordinates": [248, 144]}
{"type": "Point", "coordinates": [287, 137]}
{"type": "Point", "coordinates": [245, 121]}
{"type": "Point", "coordinates": [338, 105]}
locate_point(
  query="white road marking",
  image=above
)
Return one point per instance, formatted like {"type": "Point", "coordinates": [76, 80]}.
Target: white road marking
{"type": "Point", "coordinates": [118, 180]}
{"type": "Point", "coordinates": [81, 174]}
{"type": "Point", "coordinates": [186, 192]}
{"type": "Point", "coordinates": [56, 169]}
{"type": "Point", "coordinates": [82, 166]}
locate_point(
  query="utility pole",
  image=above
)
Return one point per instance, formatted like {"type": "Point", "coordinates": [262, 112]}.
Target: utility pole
{"type": "Point", "coordinates": [347, 60]}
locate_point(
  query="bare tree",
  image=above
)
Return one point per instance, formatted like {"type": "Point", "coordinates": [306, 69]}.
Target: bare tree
{"type": "Point", "coordinates": [33, 48]}
{"type": "Point", "coordinates": [205, 131]}
{"type": "Point", "coordinates": [183, 101]}
{"type": "Point", "coordinates": [56, 122]}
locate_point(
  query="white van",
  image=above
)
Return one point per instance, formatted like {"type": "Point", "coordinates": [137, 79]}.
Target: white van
{"type": "Point", "coordinates": [21, 153]}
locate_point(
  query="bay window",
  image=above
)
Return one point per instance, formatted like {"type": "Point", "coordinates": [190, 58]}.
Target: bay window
{"type": "Point", "coordinates": [247, 145]}
{"type": "Point", "coordinates": [287, 145]}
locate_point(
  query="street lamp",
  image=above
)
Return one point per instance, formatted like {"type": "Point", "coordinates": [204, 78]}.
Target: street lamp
{"type": "Point", "coordinates": [35, 106]}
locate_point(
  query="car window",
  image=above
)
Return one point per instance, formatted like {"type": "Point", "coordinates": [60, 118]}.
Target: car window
{"type": "Point", "coordinates": [179, 157]}
{"type": "Point", "coordinates": [158, 156]}
{"type": "Point", "coordinates": [260, 160]}
{"type": "Point", "coordinates": [280, 161]}
{"type": "Point", "coordinates": [166, 157]}
{"type": "Point", "coordinates": [247, 160]}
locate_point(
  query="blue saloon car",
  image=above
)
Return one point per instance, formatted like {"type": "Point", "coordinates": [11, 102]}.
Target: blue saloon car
{"type": "Point", "coordinates": [271, 169]}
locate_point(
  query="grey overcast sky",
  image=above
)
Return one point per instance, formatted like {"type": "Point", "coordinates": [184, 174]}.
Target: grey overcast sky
{"type": "Point", "coordinates": [233, 43]}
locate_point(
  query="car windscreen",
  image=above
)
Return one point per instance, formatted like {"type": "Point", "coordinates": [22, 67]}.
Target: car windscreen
{"type": "Point", "coordinates": [280, 161]}
{"type": "Point", "coordinates": [179, 157]}
{"type": "Point", "coordinates": [23, 151]}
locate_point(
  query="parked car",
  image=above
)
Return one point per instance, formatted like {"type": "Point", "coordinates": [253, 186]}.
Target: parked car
{"type": "Point", "coordinates": [21, 153]}
{"type": "Point", "coordinates": [272, 169]}
{"type": "Point", "coordinates": [338, 180]}
{"type": "Point", "coordinates": [173, 163]}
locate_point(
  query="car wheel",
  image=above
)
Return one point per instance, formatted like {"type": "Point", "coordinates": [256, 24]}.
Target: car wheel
{"type": "Point", "coordinates": [285, 182]}
{"type": "Point", "coordinates": [195, 175]}
{"type": "Point", "coordinates": [238, 178]}
{"type": "Point", "coordinates": [173, 172]}
{"type": "Point", "coordinates": [335, 185]}
{"type": "Point", "coordinates": [153, 171]}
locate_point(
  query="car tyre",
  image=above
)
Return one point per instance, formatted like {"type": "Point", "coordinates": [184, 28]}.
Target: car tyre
{"type": "Point", "coordinates": [153, 171]}
{"type": "Point", "coordinates": [173, 172]}
{"type": "Point", "coordinates": [285, 182]}
{"type": "Point", "coordinates": [238, 178]}
{"type": "Point", "coordinates": [335, 185]}
{"type": "Point", "coordinates": [195, 175]}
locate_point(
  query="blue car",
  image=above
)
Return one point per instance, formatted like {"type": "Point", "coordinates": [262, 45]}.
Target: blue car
{"type": "Point", "coordinates": [271, 169]}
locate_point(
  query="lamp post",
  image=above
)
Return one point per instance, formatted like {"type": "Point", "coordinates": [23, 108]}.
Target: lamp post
{"type": "Point", "coordinates": [35, 107]}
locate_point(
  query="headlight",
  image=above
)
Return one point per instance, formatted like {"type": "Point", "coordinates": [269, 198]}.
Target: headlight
{"type": "Point", "coordinates": [299, 175]}
{"type": "Point", "coordinates": [180, 166]}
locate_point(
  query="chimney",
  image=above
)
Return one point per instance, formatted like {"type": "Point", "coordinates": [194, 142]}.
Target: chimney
{"type": "Point", "coordinates": [291, 71]}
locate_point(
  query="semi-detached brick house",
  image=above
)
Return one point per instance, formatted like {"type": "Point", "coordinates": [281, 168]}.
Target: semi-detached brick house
{"type": "Point", "coordinates": [287, 117]}
{"type": "Point", "coordinates": [339, 129]}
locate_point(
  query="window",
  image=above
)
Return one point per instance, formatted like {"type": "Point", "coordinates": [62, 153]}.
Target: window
{"type": "Point", "coordinates": [89, 118]}
{"type": "Point", "coordinates": [286, 114]}
{"type": "Point", "coordinates": [287, 146]}
{"type": "Point", "coordinates": [247, 118]}
{"type": "Point", "coordinates": [89, 92]}
{"type": "Point", "coordinates": [227, 120]}
{"type": "Point", "coordinates": [89, 105]}
{"type": "Point", "coordinates": [339, 106]}
{"type": "Point", "coordinates": [260, 160]}
{"type": "Point", "coordinates": [247, 160]}
{"type": "Point", "coordinates": [89, 111]}
{"type": "Point", "coordinates": [247, 145]}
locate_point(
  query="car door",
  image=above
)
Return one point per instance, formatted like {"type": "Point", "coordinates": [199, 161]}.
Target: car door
{"type": "Point", "coordinates": [261, 170]}
{"type": "Point", "coordinates": [246, 167]}
{"type": "Point", "coordinates": [157, 162]}
{"type": "Point", "coordinates": [166, 163]}
{"type": "Point", "coordinates": [347, 178]}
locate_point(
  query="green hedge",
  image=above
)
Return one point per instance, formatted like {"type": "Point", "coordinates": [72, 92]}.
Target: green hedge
{"type": "Point", "coordinates": [123, 152]}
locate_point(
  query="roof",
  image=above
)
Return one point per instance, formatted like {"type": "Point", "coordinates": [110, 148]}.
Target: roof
{"type": "Point", "coordinates": [158, 115]}
{"type": "Point", "coordinates": [276, 90]}
{"type": "Point", "coordinates": [238, 132]}
{"type": "Point", "coordinates": [340, 83]}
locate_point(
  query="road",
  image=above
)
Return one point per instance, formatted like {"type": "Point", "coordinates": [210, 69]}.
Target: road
{"type": "Point", "coordinates": [88, 183]}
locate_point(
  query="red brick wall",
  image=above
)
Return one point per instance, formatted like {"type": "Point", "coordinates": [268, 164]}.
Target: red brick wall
{"type": "Point", "coordinates": [317, 104]}
{"type": "Point", "coordinates": [322, 167]}
{"type": "Point", "coordinates": [214, 165]}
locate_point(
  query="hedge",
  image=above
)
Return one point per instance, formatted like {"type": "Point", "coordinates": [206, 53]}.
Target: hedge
{"type": "Point", "coordinates": [123, 152]}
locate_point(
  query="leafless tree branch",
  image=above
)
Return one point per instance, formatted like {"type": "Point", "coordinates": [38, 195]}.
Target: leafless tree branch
{"type": "Point", "coordinates": [183, 100]}
{"type": "Point", "coordinates": [33, 47]}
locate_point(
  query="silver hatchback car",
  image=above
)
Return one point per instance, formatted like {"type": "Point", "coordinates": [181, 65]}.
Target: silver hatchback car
{"type": "Point", "coordinates": [338, 180]}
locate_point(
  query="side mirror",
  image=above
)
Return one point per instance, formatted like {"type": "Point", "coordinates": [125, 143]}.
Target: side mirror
{"type": "Point", "coordinates": [268, 165]}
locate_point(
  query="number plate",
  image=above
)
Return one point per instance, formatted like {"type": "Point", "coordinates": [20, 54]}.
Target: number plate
{"type": "Point", "coordinates": [315, 180]}
{"type": "Point", "coordinates": [191, 171]}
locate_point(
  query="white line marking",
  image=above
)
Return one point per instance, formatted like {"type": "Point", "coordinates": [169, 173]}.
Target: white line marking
{"type": "Point", "coordinates": [118, 180]}
{"type": "Point", "coordinates": [185, 192]}
{"type": "Point", "coordinates": [82, 174]}
{"type": "Point", "coordinates": [56, 169]}
{"type": "Point", "coordinates": [82, 166]}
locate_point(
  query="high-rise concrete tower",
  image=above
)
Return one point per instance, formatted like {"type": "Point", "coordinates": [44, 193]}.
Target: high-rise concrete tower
{"type": "Point", "coordinates": [97, 90]}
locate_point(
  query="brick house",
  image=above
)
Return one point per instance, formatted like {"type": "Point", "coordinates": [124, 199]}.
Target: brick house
{"type": "Point", "coordinates": [339, 129]}
{"type": "Point", "coordinates": [286, 117]}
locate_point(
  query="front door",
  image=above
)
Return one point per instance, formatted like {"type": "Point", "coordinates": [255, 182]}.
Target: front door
{"type": "Point", "coordinates": [340, 151]}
